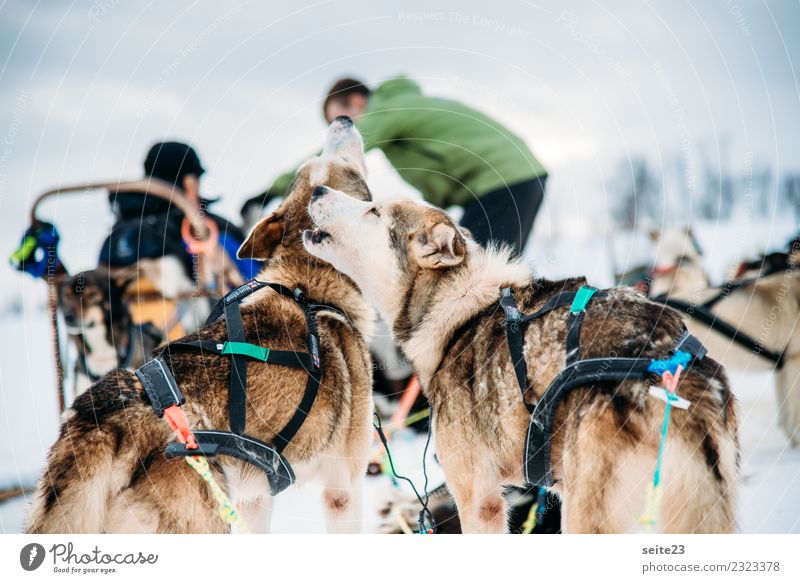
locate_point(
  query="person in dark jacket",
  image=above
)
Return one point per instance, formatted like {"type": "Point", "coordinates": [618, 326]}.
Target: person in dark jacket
{"type": "Point", "coordinates": [150, 227]}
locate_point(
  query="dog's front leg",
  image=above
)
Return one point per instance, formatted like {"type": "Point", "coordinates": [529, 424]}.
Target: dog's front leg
{"type": "Point", "coordinates": [476, 489]}
{"type": "Point", "coordinates": [481, 509]}
{"type": "Point", "coordinates": [342, 497]}
{"type": "Point", "coordinates": [250, 491]}
{"type": "Point", "coordinates": [257, 513]}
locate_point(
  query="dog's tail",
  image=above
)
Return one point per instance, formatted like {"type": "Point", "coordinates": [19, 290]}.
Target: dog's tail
{"type": "Point", "coordinates": [92, 461]}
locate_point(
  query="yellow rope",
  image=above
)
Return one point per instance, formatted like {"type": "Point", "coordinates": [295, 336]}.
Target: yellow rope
{"type": "Point", "coordinates": [652, 503]}
{"type": "Point", "coordinates": [227, 510]}
{"type": "Point", "coordinates": [649, 517]}
{"type": "Point", "coordinates": [530, 522]}
{"type": "Point", "coordinates": [418, 416]}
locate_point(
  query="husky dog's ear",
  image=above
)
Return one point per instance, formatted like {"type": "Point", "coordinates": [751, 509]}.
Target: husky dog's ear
{"type": "Point", "coordinates": [263, 238]}
{"type": "Point", "coordinates": [440, 246]}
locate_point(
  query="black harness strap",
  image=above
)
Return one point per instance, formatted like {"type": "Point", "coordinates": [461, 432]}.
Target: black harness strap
{"type": "Point", "coordinates": [559, 300]}
{"type": "Point", "coordinates": [237, 386]}
{"type": "Point", "coordinates": [515, 341]}
{"type": "Point", "coordinates": [705, 316]}
{"type": "Point", "coordinates": [314, 372]}
{"type": "Point", "coordinates": [246, 448]}
{"type": "Point", "coordinates": [575, 322]}
{"type": "Point", "coordinates": [513, 325]}
{"type": "Point", "coordinates": [538, 469]}
{"type": "Point", "coordinates": [160, 385]}
{"type": "Point", "coordinates": [241, 293]}
{"type": "Point", "coordinates": [574, 337]}
{"type": "Point", "coordinates": [290, 358]}
{"type": "Point", "coordinates": [162, 390]}
{"type": "Point", "coordinates": [728, 287]}
{"type": "Point", "coordinates": [577, 372]}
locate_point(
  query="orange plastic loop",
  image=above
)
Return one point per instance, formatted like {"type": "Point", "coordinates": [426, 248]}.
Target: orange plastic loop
{"type": "Point", "coordinates": [671, 380]}
{"type": "Point", "coordinates": [663, 270]}
{"type": "Point", "coordinates": [195, 246]}
{"type": "Point", "coordinates": [407, 401]}
{"type": "Point", "coordinates": [179, 424]}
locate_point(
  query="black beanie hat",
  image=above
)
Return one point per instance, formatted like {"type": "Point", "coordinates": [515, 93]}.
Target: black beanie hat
{"type": "Point", "coordinates": [171, 161]}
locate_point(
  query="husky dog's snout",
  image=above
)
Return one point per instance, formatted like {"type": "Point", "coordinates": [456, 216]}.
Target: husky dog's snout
{"type": "Point", "coordinates": [341, 128]}
{"type": "Point", "coordinates": [344, 121]}
{"type": "Point", "coordinates": [344, 141]}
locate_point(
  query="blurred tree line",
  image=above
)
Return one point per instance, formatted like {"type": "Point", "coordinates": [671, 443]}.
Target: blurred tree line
{"type": "Point", "coordinates": [643, 194]}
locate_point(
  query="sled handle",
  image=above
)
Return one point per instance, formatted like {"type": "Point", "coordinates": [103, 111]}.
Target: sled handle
{"type": "Point", "coordinates": [149, 186]}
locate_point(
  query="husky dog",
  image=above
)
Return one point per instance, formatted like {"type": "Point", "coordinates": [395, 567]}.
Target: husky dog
{"type": "Point", "coordinates": [765, 306]}
{"type": "Point", "coordinates": [440, 291]}
{"type": "Point", "coordinates": [101, 328]}
{"type": "Point", "coordinates": [107, 471]}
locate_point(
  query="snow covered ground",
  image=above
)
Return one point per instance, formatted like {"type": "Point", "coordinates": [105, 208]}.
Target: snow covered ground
{"type": "Point", "coordinates": [769, 500]}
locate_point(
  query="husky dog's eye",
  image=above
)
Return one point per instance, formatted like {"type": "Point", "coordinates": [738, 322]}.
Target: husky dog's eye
{"type": "Point", "coordinates": [374, 210]}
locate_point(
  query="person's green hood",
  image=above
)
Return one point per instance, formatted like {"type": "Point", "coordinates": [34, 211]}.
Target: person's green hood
{"type": "Point", "coordinates": [394, 87]}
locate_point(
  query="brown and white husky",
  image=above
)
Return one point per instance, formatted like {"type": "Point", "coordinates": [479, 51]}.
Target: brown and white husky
{"type": "Point", "coordinates": [107, 471]}
{"type": "Point", "coordinates": [440, 291]}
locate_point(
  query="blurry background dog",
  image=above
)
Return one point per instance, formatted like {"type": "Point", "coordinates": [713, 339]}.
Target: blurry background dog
{"type": "Point", "coordinates": [762, 300]}
{"type": "Point", "coordinates": [100, 327]}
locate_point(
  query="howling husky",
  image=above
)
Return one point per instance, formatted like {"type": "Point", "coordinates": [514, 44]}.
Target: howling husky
{"type": "Point", "coordinates": [440, 291]}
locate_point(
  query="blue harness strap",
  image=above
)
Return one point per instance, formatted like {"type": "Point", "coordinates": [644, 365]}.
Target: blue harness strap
{"type": "Point", "coordinates": [671, 364]}
{"type": "Point", "coordinates": [577, 372]}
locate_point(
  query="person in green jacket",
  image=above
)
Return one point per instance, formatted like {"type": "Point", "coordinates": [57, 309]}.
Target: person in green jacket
{"type": "Point", "coordinates": [453, 154]}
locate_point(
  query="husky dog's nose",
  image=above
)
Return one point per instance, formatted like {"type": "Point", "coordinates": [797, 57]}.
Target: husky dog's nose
{"type": "Point", "coordinates": [320, 190]}
{"type": "Point", "coordinates": [344, 120]}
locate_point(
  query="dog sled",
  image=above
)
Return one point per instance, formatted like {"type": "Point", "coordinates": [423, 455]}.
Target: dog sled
{"type": "Point", "coordinates": [153, 312]}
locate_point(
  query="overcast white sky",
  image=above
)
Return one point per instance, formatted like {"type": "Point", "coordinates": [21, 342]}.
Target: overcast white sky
{"type": "Point", "coordinates": [87, 86]}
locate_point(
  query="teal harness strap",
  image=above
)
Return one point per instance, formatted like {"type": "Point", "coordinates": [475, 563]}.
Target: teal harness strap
{"type": "Point", "coordinates": [246, 349]}
{"type": "Point", "coordinates": [576, 312]}
{"type": "Point", "coordinates": [582, 298]}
